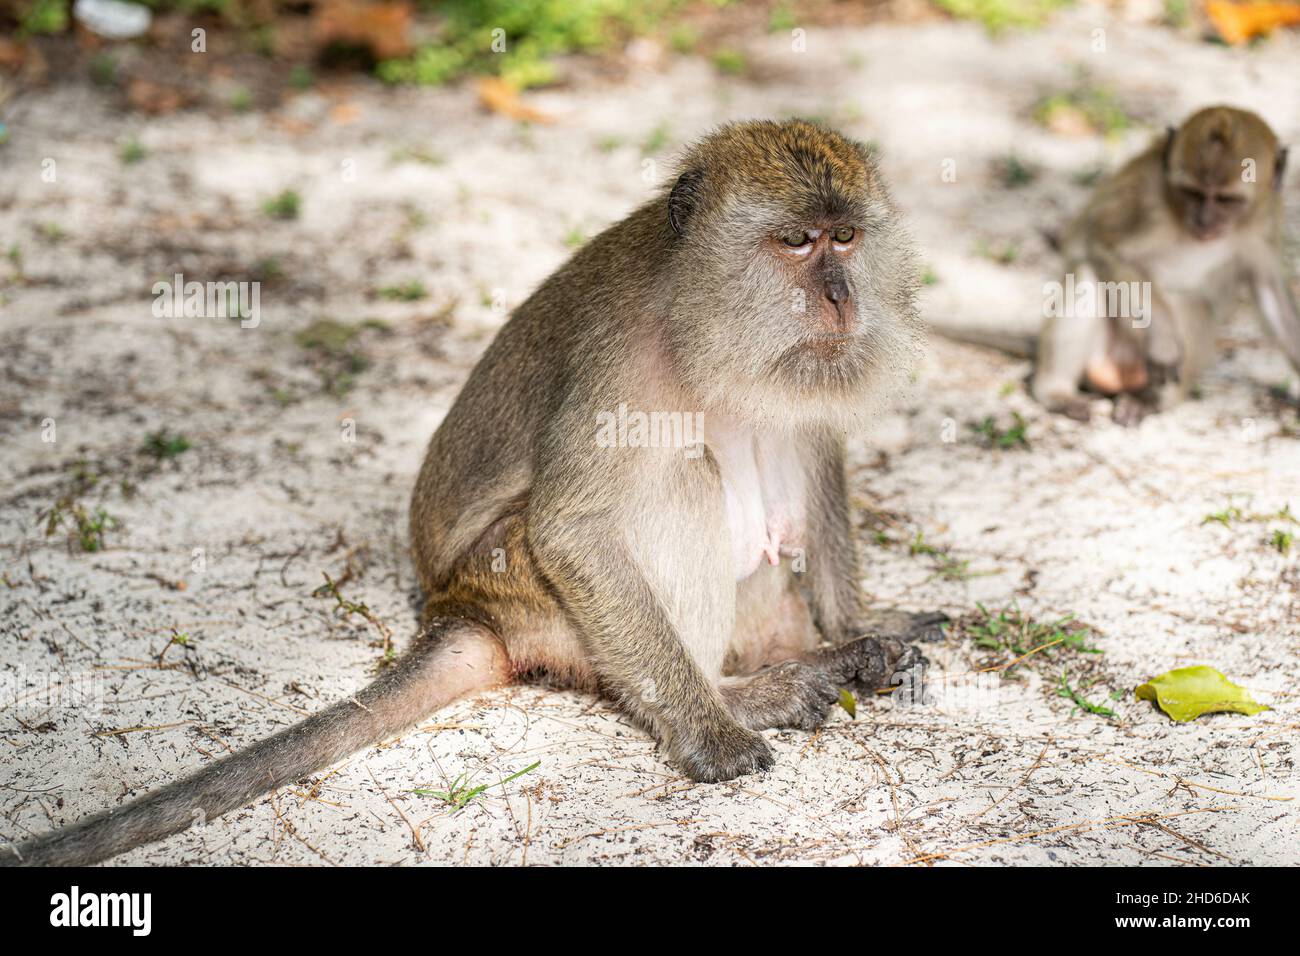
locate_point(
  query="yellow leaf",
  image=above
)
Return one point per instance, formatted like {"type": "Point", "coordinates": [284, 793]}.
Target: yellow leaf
{"type": "Point", "coordinates": [1187, 692]}
{"type": "Point", "coordinates": [849, 704]}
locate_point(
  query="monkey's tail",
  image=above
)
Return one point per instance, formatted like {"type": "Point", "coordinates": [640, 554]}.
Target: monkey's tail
{"type": "Point", "coordinates": [1018, 344]}
{"type": "Point", "coordinates": [451, 658]}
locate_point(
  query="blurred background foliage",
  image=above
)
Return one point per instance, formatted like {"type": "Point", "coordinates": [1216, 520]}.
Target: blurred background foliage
{"type": "Point", "coordinates": [432, 42]}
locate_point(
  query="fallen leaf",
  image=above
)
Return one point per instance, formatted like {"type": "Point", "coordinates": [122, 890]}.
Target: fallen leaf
{"type": "Point", "coordinates": [849, 704]}
{"type": "Point", "coordinates": [1239, 22]}
{"type": "Point", "coordinates": [500, 97]}
{"type": "Point", "coordinates": [1187, 692]}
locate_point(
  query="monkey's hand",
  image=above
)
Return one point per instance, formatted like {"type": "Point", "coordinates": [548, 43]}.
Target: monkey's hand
{"type": "Point", "coordinates": [723, 754]}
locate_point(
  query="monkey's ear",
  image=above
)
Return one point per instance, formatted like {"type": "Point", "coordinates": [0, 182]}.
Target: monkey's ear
{"type": "Point", "coordinates": [1169, 146]}
{"type": "Point", "coordinates": [1279, 167]}
{"type": "Point", "coordinates": [683, 198]}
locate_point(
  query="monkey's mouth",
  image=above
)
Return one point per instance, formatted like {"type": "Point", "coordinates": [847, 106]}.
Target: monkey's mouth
{"type": "Point", "coordinates": [830, 348]}
{"type": "Point", "coordinates": [1207, 233]}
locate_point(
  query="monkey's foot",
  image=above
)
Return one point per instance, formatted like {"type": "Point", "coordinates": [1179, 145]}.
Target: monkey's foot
{"type": "Point", "coordinates": [1130, 410]}
{"type": "Point", "coordinates": [1077, 407]}
{"type": "Point", "coordinates": [900, 625]}
{"type": "Point", "coordinates": [723, 753]}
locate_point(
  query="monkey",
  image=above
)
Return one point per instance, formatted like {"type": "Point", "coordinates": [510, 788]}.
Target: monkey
{"type": "Point", "coordinates": [769, 295]}
{"type": "Point", "coordinates": [1188, 222]}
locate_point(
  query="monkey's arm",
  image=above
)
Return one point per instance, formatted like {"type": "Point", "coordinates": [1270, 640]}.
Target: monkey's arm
{"type": "Point", "coordinates": [1276, 303]}
{"type": "Point", "coordinates": [832, 580]}
{"type": "Point", "coordinates": [639, 574]}
{"type": "Point", "coordinates": [832, 560]}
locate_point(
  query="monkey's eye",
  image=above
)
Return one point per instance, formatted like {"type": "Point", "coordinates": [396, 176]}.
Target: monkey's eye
{"type": "Point", "coordinates": [844, 234]}
{"type": "Point", "coordinates": [796, 240]}
{"type": "Point", "coordinates": [1231, 199]}
{"type": "Point", "coordinates": [1195, 195]}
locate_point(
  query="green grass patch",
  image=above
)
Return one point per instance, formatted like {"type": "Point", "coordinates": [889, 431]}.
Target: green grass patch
{"type": "Point", "coordinates": [996, 436]}
{"type": "Point", "coordinates": [1008, 630]}
{"type": "Point", "coordinates": [161, 444]}
{"type": "Point", "coordinates": [459, 793]}
{"type": "Point", "coordinates": [516, 39]}
{"type": "Point", "coordinates": [287, 205]}
{"type": "Point", "coordinates": [999, 15]}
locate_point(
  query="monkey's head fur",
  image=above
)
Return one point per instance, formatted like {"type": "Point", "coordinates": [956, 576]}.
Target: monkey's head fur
{"type": "Point", "coordinates": [800, 307]}
{"type": "Point", "coordinates": [1221, 167]}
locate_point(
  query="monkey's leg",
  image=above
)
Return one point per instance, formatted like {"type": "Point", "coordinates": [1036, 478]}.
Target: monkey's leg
{"type": "Point", "coordinates": [653, 603]}
{"type": "Point", "coordinates": [453, 656]}
{"type": "Point", "coordinates": [1065, 348]}
{"type": "Point", "coordinates": [799, 693]}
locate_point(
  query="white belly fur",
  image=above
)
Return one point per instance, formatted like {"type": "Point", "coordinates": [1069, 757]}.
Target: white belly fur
{"type": "Point", "coordinates": [764, 490]}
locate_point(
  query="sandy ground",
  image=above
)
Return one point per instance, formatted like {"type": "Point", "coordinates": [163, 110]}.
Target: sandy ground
{"type": "Point", "coordinates": [225, 542]}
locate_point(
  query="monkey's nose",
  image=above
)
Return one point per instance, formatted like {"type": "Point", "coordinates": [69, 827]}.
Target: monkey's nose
{"type": "Point", "coordinates": [837, 290]}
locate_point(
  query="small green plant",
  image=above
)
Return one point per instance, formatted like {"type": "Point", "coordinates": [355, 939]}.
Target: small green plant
{"type": "Point", "coordinates": [162, 445]}
{"type": "Point", "coordinates": [91, 527]}
{"type": "Point", "coordinates": [1013, 436]}
{"type": "Point", "coordinates": [574, 238]}
{"type": "Point", "coordinates": [1093, 106]}
{"type": "Point", "coordinates": [1063, 689]}
{"type": "Point", "coordinates": [656, 140]}
{"type": "Point", "coordinates": [459, 793]}
{"type": "Point", "coordinates": [285, 206]}
{"type": "Point", "coordinates": [945, 565]}
{"type": "Point", "coordinates": [684, 38]}
{"type": "Point", "coordinates": [1013, 172]}
{"type": "Point", "coordinates": [241, 100]}
{"type": "Point", "coordinates": [88, 526]}
{"type": "Point", "coordinates": [132, 152]}
{"type": "Point", "coordinates": [929, 276]}
{"type": "Point", "coordinates": [729, 61]}
{"type": "Point", "coordinates": [43, 16]}
{"type": "Point", "coordinates": [346, 608]}
{"type": "Point", "coordinates": [335, 352]}
{"type": "Point", "coordinates": [1282, 540]}
{"type": "Point", "coordinates": [999, 15]}
{"type": "Point", "coordinates": [782, 18]}
{"type": "Point", "coordinates": [51, 232]}
{"type": "Point", "coordinates": [412, 291]}
{"type": "Point", "coordinates": [301, 78]}
{"type": "Point", "coordinates": [1235, 513]}
{"type": "Point", "coordinates": [1177, 13]}
{"type": "Point", "coordinates": [103, 69]}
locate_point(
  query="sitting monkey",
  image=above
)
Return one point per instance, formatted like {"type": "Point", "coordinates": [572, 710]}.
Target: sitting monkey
{"type": "Point", "coordinates": [768, 294]}
{"type": "Point", "coordinates": [1161, 250]}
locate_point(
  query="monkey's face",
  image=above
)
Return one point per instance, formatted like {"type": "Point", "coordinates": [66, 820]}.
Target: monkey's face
{"type": "Point", "coordinates": [1209, 209]}
{"type": "Point", "coordinates": [1215, 167]}
{"type": "Point", "coordinates": [801, 314]}
{"type": "Point", "coordinates": [795, 291]}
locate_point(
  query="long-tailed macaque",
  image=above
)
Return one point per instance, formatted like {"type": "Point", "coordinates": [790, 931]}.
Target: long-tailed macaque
{"type": "Point", "coordinates": [640, 489]}
{"type": "Point", "coordinates": [1156, 257]}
